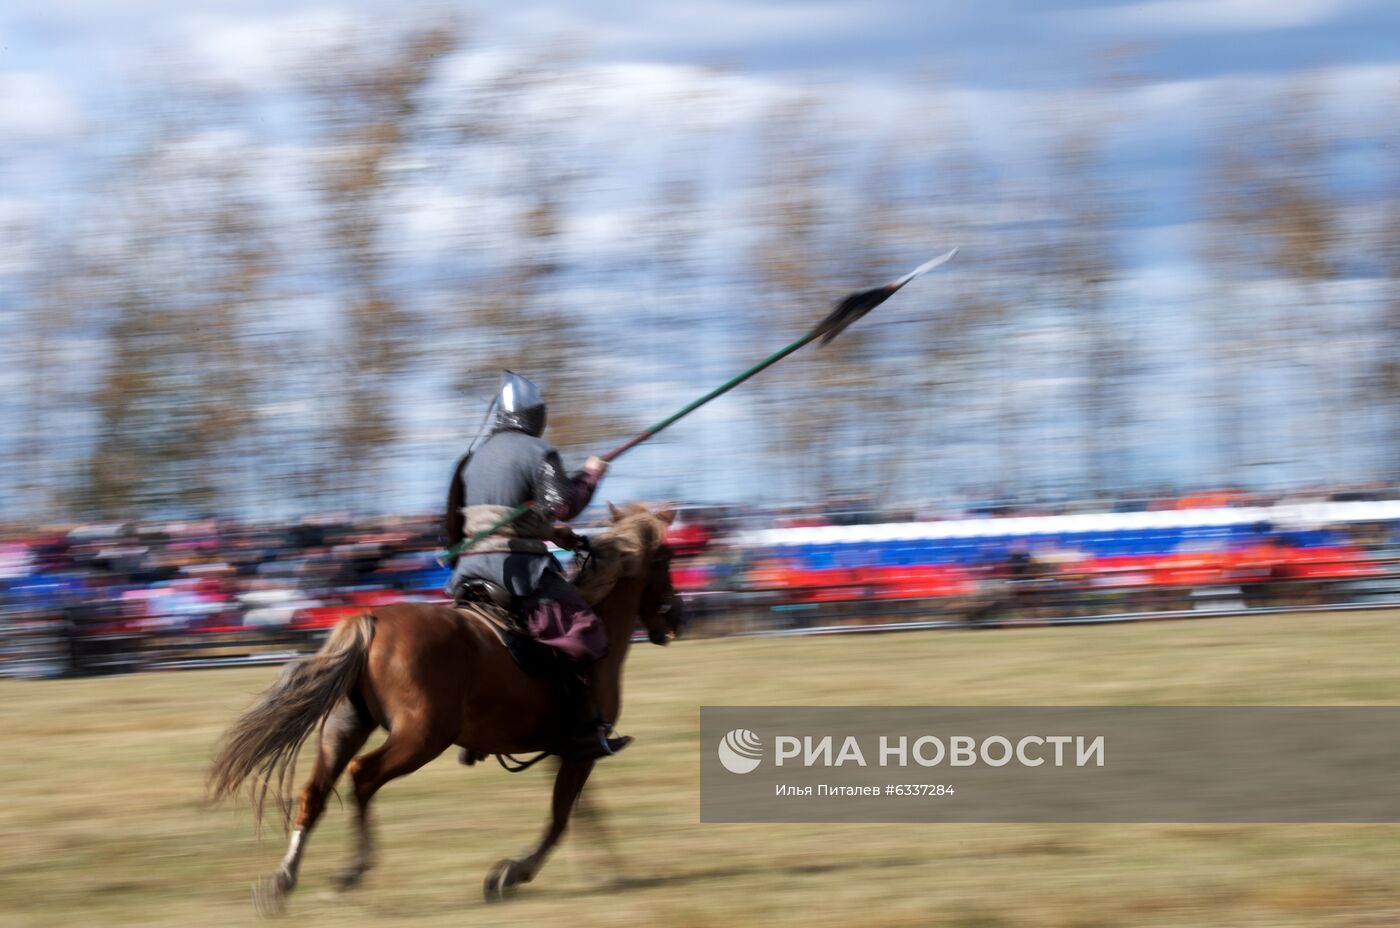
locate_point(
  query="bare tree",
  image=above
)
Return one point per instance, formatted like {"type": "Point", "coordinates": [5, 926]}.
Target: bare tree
{"type": "Point", "coordinates": [44, 442]}
{"type": "Point", "coordinates": [1276, 227]}
{"type": "Point", "coordinates": [369, 96]}
{"type": "Point", "coordinates": [1083, 263]}
{"type": "Point", "coordinates": [798, 272]}
{"type": "Point", "coordinates": [518, 314]}
{"type": "Point", "coordinates": [1302, 218]}
{"type": "Point", "coordinates": [1230, 342]}
{"type": "Point", "coordinates": [175, 402]}
{"type": "Point", "coordinates": [1381, 389]}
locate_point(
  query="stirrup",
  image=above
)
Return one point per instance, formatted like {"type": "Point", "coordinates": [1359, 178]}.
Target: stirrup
{"type": "Point", "coordinates": [613, 744]}
{"type": "Point", "coordinates": [610, 742]}
{"type": "Point", "coordinates": [594, 745]}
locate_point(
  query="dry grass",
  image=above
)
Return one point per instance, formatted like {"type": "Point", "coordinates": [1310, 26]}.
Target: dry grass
{"type": "Point", "coordinates": [103, 822]}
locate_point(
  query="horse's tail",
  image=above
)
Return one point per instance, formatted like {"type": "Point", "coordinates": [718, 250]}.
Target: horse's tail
{"type": "Point", "coordinates": [264, 742]}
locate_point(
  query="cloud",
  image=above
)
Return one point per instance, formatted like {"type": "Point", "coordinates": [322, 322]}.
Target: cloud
{"type": "Point", "coordinates": [261, 54]}
{"type": "Point", "coordinates": [35, 108]}
{"type": "Point", "coordinates": [1225, 15]}
{"type": "Point", "coordinates": [632, 25]}
{"type": "Point", "coordinates": [718, 23]}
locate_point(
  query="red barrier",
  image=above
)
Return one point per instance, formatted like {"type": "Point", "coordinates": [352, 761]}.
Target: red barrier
{"type": "Point", "coordinates": [1188, 568]}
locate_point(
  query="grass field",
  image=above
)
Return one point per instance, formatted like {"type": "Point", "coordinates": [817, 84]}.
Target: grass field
{"type": "Point", "coordinates": [103, 821]}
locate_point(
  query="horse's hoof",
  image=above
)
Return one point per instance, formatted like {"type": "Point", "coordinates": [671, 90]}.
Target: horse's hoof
{"type": "Point", "coordinates": [269, 897]}
{"type": "Point", "coordinates": [502, 880]}
{"type": "Point", "coordinates": [343, 881]}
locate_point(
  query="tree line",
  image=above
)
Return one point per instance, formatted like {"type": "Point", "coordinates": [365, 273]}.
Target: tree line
{"type": "Point", "coordinates": [234, 320]}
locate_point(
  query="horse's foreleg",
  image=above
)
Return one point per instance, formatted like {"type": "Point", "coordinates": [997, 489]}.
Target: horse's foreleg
{"type": "Point", "coordinates": [343, 733]}
{"type": "Point", "coordinates": [568, 783]}
{"type": "Point", "coordinates": [590, 812]}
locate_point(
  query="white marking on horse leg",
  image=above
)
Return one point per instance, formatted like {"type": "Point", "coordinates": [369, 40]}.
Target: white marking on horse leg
{"type": "Point", "coordinates": [292, 862]}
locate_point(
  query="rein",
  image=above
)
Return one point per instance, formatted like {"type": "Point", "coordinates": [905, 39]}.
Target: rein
{"type": "Point", "coordinates": [585, 549]}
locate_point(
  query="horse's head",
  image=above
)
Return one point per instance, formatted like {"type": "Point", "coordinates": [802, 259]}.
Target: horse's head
{"type": "Point", "coordinates": [661, 610]}
{"type": "Point", "coordinates": [633, 550]}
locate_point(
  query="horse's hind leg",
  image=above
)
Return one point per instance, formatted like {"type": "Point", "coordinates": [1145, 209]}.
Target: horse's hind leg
{"type": "Point", "coordinates": [344, 732]}
{"type": "Point", "coordinates": [568, 783]}
{"type": "Point", "coordinates": [409, 746]}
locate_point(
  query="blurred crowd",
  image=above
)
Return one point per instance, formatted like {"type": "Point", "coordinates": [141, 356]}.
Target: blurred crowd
{"type": "Point", "coordinates": [151, 581]}
{"type": "Point", "coordinates": [207, 574]}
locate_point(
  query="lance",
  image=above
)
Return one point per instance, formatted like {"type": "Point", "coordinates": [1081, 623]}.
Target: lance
{"type": "Point", "coordinates": [846, 312]}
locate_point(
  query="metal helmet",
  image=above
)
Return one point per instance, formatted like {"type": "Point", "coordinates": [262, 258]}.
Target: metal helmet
{"type": "Point", "coordinates": [519, 405]}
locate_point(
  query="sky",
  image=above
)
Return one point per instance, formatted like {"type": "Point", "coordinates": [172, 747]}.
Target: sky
{"type": "Point", "coordinates": [64, 63]}
{"type": "Point", "coordinates": [69, 70]}
{"type": "Point", "coordinates": [994, 43]}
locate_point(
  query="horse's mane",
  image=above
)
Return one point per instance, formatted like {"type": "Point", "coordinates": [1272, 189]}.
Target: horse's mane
{"type": "Point", "coordinates": [620, 551]}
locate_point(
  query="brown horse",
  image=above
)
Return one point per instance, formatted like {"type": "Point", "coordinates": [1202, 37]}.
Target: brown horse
{"type": "Point", "coordinates": [435, 676]}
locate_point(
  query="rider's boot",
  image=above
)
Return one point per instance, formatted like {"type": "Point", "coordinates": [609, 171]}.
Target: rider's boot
{"type": "Point", "coordinates": [589, 736]}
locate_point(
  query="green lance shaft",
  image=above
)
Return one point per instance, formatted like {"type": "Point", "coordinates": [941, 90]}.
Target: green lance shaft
{"type": "Point", "coordinates": [846, 312]}
{"type": "Point", "coordinates": [636, 440]}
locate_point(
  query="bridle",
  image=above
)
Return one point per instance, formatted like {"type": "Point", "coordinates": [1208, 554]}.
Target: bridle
{"type": "Point", "coordinates": [667, 599]}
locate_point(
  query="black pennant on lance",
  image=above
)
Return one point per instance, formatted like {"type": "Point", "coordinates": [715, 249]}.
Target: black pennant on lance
{"type": "Point", "coordinates": [858, 304]}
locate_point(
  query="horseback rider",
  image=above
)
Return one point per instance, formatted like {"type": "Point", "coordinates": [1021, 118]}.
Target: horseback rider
{"type": "Point", "coordinates": [513, 465]}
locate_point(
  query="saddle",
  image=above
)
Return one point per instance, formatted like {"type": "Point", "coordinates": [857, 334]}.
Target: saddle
{"type": "Point", "coordinates": [486, 593]}
{"type": "Point", "coordinates": [499, 608]}
{"type": "Point", "coordinates": [504, 611]}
